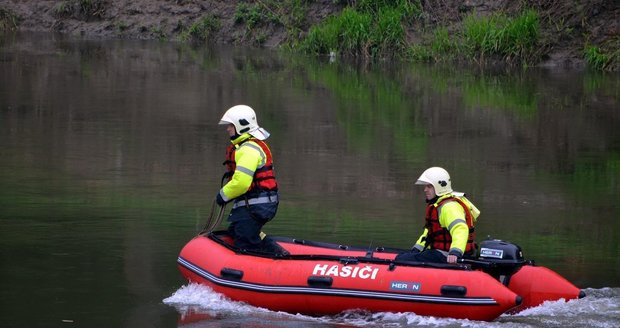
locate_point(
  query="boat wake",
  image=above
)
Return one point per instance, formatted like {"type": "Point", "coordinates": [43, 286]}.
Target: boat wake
{"type": "Point", "coordinates": [200, 306]}
{"type": "Point", "coordinates": [601, 308]}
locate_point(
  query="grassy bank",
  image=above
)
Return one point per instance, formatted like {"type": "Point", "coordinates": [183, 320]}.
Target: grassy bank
{"type": "Point", "coordinates": [378, 30]}
{"type": "Point", "coordinates": [371, 29]}
{"type": "Point", "coordinates": [383, 29]}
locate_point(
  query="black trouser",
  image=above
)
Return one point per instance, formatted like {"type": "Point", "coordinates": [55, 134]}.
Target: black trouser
{"type": "Point", "coordinates": [246, 222]}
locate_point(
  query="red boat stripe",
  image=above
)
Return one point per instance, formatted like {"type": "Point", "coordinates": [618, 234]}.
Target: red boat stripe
{"type": "Point", "coordinates": [476, 301]}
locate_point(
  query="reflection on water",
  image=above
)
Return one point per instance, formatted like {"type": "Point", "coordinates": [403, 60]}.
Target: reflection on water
{"type": "Point", "coordinates": [110, 155]}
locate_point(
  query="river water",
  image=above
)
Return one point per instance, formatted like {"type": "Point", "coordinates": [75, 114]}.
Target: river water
{"type": "Point", "coordinates": [110, 156]}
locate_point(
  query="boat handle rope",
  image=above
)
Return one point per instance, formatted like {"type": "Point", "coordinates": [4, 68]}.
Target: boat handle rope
{"type": "Point", "coordinates": [211, 224]}
{"type": "Point", "coordinates": [342, 259]}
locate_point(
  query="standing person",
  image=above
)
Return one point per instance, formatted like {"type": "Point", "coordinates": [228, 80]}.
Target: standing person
{"type": "Point", "coordinates": [252, 185]}
{"type": "Point", "coordinates": [450, 217]}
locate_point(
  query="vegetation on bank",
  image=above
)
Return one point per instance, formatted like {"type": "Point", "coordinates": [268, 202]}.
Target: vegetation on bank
{"type": "Point", "coordinates": [80, 9]}
{"type": "Point", "coordinates": [8, 20]}
{"type": "Point", "coordinates": [369, 29]}
{"type": "Point", "coordinates": [601, 59]}
{"type": "Point", "coordinates": [201, 30]}
{"type": "Point", "coordinates": [377, 29]}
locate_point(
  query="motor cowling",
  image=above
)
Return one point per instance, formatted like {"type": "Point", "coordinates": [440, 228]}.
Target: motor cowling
{"type": "Point", "coordinates": [500, 251]}
{"type": "Point", "coordinates": [504, 258]}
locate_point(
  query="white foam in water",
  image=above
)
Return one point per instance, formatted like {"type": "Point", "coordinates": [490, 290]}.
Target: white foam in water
{"type": "Point", "coordinates": [601, 308]}
{"type": "Point", "coordinates": [407, 319]}
{"type": "Point", "coordinates": [577, 307]}
{"type": "Point", "coordinates": [204, 297]}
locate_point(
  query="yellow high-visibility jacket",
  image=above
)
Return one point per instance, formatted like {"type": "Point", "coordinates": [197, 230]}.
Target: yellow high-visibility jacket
{"type": "Point", "coordinates": [248, 157]}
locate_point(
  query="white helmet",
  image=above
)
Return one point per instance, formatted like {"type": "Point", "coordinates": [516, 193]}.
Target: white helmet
{"type": "Point", "coordinates": [244, 120]}
{"type": "Point", "coordinates": [439, 178]}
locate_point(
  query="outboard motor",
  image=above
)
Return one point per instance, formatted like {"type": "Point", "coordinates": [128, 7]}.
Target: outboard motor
{"type": "Point", "coordinates": [504, 259]}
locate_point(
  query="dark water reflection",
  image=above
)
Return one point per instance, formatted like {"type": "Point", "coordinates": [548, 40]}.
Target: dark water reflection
{"type": "Point", "coordinates": [110, 155]}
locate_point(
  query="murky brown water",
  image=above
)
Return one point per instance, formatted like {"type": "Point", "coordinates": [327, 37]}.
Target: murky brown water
{"type": "Point", "coordinates": [110, 155]}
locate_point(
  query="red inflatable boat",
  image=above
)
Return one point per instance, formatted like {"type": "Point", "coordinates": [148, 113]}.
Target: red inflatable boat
{"type": "Point", "coordinates": [322, 279]}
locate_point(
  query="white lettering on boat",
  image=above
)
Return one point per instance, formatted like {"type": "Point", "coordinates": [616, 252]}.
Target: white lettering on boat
{"type": "Point", "coordinates": [366, 272]}
{"type": "Point", "coordinates": [406, 286]}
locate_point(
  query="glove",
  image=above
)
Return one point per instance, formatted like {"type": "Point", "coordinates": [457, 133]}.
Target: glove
{"type": "Point", "coordinates": [219, 200]}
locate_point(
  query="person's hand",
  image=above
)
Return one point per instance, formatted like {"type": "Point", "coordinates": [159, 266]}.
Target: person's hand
{"type": "Point", "coordinates": [219, 200]}
{"type": "Point", "coordinates": [452, 259]}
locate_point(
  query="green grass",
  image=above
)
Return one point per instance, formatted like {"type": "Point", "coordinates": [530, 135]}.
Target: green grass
{"type": "Point", "coordinates": [370, 29]}
{"type": "Point", "coordinates": [202, 29]}
{"type": "Point", "coordinates": [258, 17]}
{"type": "Point", "coordinates": [419, 53]}
{"type": "Point", "coordinates": [601, 59]}
{"type": "Point", "coordinates": [443, 43]}
{"type": "Point", "coordinates": [409, 9]}
{"type": "Point", "coordinates": [510, 38]}
{"type": "Point", "coordinates": [257, 14]}
{"type": "Point", "coordinates": [388, 34]}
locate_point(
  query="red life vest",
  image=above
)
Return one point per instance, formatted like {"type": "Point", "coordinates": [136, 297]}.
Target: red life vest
{"type": "Point", "coordinates": [264, 177]}
{"type": "Point", "coordinates": [439, 237]}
